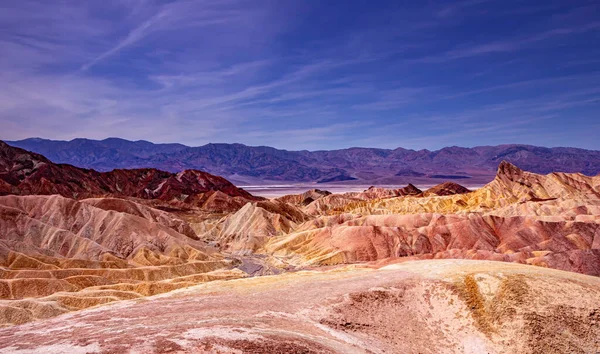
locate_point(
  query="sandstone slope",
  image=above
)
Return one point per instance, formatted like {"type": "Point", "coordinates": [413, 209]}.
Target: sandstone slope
{"type": "Point", "coordinates": [73, 254]}
{"type": "Point", "coordinates": [548, 220]}
{"type": "Point", "coordinates": [441, 306]}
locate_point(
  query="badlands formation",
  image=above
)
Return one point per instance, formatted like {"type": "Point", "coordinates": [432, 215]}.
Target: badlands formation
{"type": "Point", "coordinates": [149, 261]}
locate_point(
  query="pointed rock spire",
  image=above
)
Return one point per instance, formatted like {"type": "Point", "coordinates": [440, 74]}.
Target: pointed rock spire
{"type": "Point", "coordinates": [509, 170]}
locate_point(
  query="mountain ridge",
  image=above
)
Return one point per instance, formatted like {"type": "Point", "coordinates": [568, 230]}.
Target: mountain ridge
{"type": "Point", "coordinates": [241, 163]}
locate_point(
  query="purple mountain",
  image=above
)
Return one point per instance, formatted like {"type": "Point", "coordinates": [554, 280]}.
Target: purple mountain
{"type": "Point", "coordinates": [249, 164]}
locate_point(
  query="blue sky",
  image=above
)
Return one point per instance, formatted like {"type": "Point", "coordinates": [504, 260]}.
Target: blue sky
{"type": "Point", "coordinates": [303, 74]}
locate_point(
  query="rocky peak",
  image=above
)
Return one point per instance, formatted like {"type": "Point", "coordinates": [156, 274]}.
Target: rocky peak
{"type": "Point", "coordinates": [508, 170]}
{"type": "Point", "coordinates": [447, 188]}
{"type": "Point", "coordinates": [410, 189]}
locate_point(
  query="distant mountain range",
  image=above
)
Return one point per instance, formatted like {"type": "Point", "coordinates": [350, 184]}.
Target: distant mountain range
{"type": "Point", "coordinates": [248, 164]}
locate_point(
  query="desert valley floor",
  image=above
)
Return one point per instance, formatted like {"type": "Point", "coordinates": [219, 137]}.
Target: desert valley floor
{"type": "Point", "coordinates": [147, 261]}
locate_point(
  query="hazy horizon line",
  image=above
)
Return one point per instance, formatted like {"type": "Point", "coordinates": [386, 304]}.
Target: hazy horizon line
{"type": "Point", "coordinates": [297, 150]}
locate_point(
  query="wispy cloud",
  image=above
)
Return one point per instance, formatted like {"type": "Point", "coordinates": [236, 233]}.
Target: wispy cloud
{"type": "Point", "coordinates": [295, 75]}
{"type": "Point", "coordinates": [506, 46]}
{"type": "Point", "coordinates": [456, 7]}
{"type": "Point", "coordinates": [132, 37]}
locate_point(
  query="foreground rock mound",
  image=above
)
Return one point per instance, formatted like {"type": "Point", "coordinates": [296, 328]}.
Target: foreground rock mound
{"type": "Point", "coordinates": [441, 306]}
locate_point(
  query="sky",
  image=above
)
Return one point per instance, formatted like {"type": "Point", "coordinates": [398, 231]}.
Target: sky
{"type": "Point", "coordinates": [303, 74]}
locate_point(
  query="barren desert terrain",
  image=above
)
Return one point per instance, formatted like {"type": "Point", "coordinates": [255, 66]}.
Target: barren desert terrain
{"type": "Point", "coordinates": [147, 261]}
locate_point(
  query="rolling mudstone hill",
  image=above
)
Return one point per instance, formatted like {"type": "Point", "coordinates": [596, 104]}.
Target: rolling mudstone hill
{"type": "Point", "coordinates": [256, 165]}
{"type": "Point", "coordinates": [219, 270]}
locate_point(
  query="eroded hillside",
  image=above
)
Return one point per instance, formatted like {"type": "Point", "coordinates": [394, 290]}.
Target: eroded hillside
{"type": "Point", "coordinates": [71, 239]}
{"type": "Point", "coordinates": [434, 306]}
